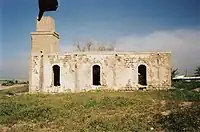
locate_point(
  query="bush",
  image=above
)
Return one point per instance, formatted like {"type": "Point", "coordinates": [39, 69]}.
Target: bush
{"type": "Point", "coordinates": [186, 85]}
{"type": "Point", "coordinates": [9, 83]}
{"type": "Point", "coordinates": [185, 95]}
{"type": "Point", "coordinates": [4, 84]}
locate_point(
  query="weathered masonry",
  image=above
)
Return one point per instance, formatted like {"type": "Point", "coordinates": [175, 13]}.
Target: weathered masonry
{"type": "Point", "coordinates": [83, 71]}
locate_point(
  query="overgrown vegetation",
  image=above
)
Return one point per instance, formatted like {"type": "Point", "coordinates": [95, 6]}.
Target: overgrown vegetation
{"type": "Point", "coordinates": [173, 110]}
{"type": "Point", "coordinates": [184, 85]}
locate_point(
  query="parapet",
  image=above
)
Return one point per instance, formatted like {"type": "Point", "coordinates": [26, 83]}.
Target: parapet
{"type": "Point", "coordinates": [46, 24]}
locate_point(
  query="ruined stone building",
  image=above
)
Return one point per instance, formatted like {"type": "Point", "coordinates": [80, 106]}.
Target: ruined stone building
{"type": "Point", "coordinates": [51, 71]}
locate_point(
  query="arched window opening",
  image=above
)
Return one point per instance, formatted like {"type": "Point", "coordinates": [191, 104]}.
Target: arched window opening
{"type": "Point", "coordinates": [56, 75]}
{"type": "Point", "coordinates": [142, 75]}
{"type": "Point", "coordinates": [96, 75]}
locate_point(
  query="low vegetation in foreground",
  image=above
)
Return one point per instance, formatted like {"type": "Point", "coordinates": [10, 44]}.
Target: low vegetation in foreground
{"type": "Point", "coordinates": [175, 110]}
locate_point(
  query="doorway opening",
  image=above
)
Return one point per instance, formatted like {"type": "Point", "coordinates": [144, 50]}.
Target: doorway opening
{"type": "Point", "coordinates": [142, 75]}
{"type": "Point", "coordinates": [96, 75]}
{"type": "Point", "coordinates": [56, 75]}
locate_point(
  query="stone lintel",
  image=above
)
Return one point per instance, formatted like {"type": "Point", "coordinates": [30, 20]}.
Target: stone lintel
{"type": "Point", "coordinates": [46, 33]}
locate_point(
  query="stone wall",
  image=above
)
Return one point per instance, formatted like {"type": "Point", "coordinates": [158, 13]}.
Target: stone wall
{"type": "Point", "coordinates": [118, 71]}
{"type": "Point", "coordinates": [35, 72]}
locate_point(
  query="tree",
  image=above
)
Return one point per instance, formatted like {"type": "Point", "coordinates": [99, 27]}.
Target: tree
{"type": "Point", "coordinates": [174, 72]}
{"type": "Point", "coordinates": [197, 71]}
{"type": "Point", "coordinates": [91, 46]}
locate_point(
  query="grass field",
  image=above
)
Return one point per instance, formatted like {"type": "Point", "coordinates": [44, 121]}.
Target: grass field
{"type": "Point", "coordinates": [139, 111]}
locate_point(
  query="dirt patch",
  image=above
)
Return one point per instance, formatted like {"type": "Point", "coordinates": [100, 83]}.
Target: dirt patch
{"type": "Point", "coordinates": [165, 113]}
{"type": "Point", "coordinates": [13, 86]}
{"type": "Point", "coordinates": [197, 90]}
{"type": "Point", "coordinates": [163, 103]}
{"type": "Point", "coordinates": [185, 104]}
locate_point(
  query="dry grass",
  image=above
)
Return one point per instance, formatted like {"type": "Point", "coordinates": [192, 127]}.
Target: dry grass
{"type": "Point", "coordinates": [101, 111]}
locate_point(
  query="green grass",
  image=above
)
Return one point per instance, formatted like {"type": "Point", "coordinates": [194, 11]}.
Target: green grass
{"type": "Point", "coordinates": [101, 111]}
{"type": "Point", "coordinates": [186, 85]}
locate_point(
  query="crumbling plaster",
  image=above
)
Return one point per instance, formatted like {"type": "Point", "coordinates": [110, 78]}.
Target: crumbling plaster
{"type": "Point", "coordinates": [117, 72]}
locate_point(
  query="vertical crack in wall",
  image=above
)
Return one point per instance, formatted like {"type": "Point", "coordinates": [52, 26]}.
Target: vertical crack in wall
{"type": "Point", "coordinates": [114, 70]}
{"type": "Point", "coordinates": [41, 73]}
{"type": "Point", "coordinates": [76, 78]}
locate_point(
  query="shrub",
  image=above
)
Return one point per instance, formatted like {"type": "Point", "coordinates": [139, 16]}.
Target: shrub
{"type": "Point", "coordinates": [186, 85]}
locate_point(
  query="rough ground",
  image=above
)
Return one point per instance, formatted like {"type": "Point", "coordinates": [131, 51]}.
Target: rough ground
{"type": "Point", "coordinates": [13, 86]}
{"type": "Point", "coordinates": [176, 110]}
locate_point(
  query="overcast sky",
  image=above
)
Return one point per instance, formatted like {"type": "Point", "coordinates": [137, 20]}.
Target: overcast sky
{"type": "Point", "coordinates": [138, 25]}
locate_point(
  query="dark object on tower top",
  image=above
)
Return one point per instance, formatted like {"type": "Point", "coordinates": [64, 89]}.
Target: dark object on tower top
{"type": "Point", "coordinates": [46, 5]}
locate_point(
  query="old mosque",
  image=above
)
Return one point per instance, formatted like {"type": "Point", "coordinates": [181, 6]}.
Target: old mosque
{"type": "Point", "coordinates": [53, 72]}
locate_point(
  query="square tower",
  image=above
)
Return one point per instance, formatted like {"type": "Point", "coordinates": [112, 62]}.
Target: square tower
{"type": "Point", "coordinates": [45, 38]}
{"type": "Point", "coordinates": [44, 41]}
